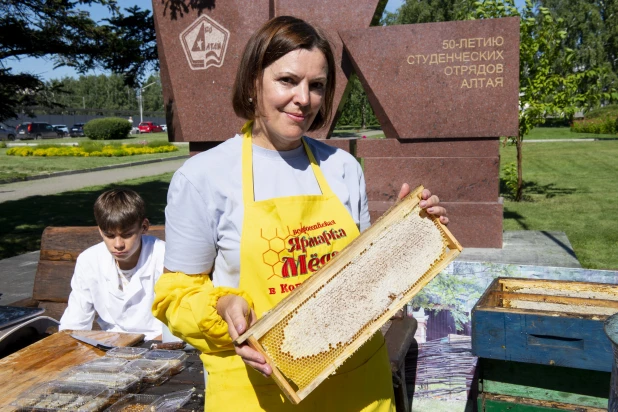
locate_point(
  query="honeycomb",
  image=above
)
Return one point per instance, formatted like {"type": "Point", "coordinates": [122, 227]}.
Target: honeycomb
{"type": "Point", "coordinates": [313, 335]}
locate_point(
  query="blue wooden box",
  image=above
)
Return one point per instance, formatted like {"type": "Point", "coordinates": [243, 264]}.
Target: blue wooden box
{"type": "Point", "coordinates": [548, 322]}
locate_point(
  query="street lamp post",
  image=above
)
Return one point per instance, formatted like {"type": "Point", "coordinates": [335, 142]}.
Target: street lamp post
{"type": "Point", "coordinates": [141, 110]}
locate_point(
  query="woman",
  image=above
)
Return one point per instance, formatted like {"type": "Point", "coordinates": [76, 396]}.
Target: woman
{"type": "Point", "coordinates": [232, 210]}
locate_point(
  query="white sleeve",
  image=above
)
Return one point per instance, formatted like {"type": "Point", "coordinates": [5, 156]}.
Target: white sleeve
{"type": "Point", "coordinates": [365, 219]}
{"type": "Point", "coordinates": [190, 241]}
{"type": "Point", "coordinates": [79, 314]}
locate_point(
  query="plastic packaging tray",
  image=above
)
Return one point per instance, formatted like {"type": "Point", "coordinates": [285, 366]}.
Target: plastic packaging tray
{"type": "Point", "coordinates": [176, 358]}
{"type": "Point", "coordinates": [60, 396]}
{"type": "Point", "coordinates": [135, 403]}
{"type": "Point", "coordinates": [103, 365]}
{"type": "Point", "coordinates": [120, 383]}
{"type": "Point", "coordinates": [107, 361]}
{"type": "Point", "coordinates": [153, 371]}
{"type": "Point", "coordinates": [172, 401]}
{"type": "Point", "coordinates": [129, 353]}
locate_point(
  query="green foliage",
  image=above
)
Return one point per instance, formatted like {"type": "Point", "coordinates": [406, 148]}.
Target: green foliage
{"type": "Point", "coordinates": [599, 125]}
{"type": "Point", "coordinates": [588, 35]}
{"type": "Point", "coordinates": [109, 128]}
{"type": "Point", "coordinates": [509, 173]}
{"type": "Point", "coordinates": [124, 43]}
{"type": "Point", "coordinates": [356, 111]}
{"type": "Point", "coordinates": [107, 92]}
{"type": "Point", "coordinates": [428, 11]}
{"type": "Point", "coordinates": [610, 110]}
{"type": "Point", "coordinates": [549, 79]}
{"type": "Point", "coordinates": [2, 145]}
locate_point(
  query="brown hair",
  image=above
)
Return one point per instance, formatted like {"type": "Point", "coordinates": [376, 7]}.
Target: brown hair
{"type": "Point", "coordinates": [276, 38]}
{"type": "Point", "coordinates": [119, 209]}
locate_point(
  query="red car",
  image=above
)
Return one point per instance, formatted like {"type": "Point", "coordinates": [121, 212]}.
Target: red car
{"type": "Point", "coordinates": [149, 127]}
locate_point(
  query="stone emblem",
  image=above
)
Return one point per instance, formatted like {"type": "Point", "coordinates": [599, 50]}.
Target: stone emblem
{"type": "Point", "coordinates": [204, 42]}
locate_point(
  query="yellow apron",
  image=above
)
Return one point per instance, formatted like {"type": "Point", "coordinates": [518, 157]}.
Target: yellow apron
{"type": "Point", "coordinates": [284, 240]}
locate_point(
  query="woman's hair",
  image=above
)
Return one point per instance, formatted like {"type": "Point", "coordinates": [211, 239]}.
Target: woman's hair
{"type": "Point", "coordinates": [273, 40]}
{"type": "Point", "coordinates": [119, 209]}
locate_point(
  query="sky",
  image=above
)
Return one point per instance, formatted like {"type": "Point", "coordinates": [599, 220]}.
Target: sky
{"type": "Point", "coordinates": [44, 67]}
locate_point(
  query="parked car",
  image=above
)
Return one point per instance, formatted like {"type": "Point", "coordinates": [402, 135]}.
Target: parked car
{"type": "Point", "coordinates": [6, 133]}
{"type": "Point", "coordinates": [77, 130]}
{"type": "Point", "coordinates": [36, 130]}
{"type": "Point", "coordinates": [62, 129]}
{"type": "Point", "coordinates": [149, 127]}
{"type": "Point", "coordinates": [164, 127]}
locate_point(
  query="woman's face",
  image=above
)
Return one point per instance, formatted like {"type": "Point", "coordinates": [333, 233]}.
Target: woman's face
{"type": "Point", "coordinates": [289, 98]}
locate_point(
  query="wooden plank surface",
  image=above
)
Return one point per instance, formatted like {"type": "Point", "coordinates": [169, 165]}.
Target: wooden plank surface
{"type": "Point", "coordinates": [587, 384]}
{"type": "Point", "coordinates": [66, 243]}
{"type": "Point", "coordinates": [501, 403]}
{"type": "Point", "coordinates": [48, 358]}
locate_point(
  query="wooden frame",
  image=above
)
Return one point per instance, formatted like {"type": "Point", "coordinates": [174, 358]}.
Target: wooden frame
{"type": "Point", "coordinates": [394, 215]}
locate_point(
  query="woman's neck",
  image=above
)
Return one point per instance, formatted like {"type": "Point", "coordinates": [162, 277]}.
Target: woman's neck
{"type": "Point", "coordinates": [263, 139]}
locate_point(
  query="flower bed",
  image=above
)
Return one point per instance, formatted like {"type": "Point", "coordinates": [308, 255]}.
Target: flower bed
{"type": "Point", "coordinates": [103, 151]}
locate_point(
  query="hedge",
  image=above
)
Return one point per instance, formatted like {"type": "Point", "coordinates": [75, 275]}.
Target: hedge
{"type": "Point", "coordinates": [606, 125]}
{"type": "Point", "coordinates": [108, 128]}
{"type": "Point", "coordinates": [105, 151]}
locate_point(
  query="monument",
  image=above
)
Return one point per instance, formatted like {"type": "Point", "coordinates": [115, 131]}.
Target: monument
{"type": "Point", "coordinates": [443, 93]}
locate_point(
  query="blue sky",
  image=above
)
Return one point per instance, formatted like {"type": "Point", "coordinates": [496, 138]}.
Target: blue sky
{"type": "Point", "coordinates": [45, 67]}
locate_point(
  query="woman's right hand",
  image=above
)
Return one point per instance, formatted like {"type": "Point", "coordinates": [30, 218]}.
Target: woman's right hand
{"type": "Point", "coordinates": [236, 312]}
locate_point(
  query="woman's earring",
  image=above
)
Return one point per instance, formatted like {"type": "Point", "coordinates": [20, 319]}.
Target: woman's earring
{"type": "Point", "coordinates": [250, 99]}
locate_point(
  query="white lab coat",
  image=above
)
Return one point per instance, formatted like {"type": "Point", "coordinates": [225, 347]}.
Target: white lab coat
{"type": "Point", "coordinates": [95, 289]}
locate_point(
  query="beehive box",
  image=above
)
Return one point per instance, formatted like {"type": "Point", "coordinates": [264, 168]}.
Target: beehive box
{"type": "Point", "coordinates": [547, 322]}
{"type": "Point", "coordinates": [309, 334]}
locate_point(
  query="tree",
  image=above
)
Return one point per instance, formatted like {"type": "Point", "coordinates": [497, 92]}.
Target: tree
{"type": "Point", "coordinates": [428, 11]}
{"type": "Point", "coordinates": [549, 78]}
{"type": "Point", "coordinates": [357, 111]}
{"type": "Point", "coordinates": [589, 34]}
{"type": "Point", "coordinates": [58, 29]}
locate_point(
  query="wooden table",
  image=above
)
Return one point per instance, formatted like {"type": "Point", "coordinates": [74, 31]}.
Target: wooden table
{"type": "Point", "coordinates": [46, 359]}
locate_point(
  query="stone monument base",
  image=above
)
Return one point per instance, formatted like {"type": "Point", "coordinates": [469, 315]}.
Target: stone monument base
{"type": "Point", "coordinates": [527, 247]}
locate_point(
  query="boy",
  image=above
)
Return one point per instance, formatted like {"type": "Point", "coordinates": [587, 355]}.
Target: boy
{"type": "Point", "coordinates": [116, 277]}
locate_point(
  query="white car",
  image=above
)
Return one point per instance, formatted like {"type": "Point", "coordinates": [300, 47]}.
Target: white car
{"type": "Point", "coordinates": [164, 127]}
{"type": "Point", "coordinates": [62, 128]}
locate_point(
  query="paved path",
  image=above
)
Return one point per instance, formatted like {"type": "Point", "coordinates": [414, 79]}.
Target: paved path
{"type": "Point", "coordinates": [59, 184]}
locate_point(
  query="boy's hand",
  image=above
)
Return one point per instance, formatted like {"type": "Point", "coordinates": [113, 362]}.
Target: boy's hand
{"type": "Point", "coordinates": [239, 317]}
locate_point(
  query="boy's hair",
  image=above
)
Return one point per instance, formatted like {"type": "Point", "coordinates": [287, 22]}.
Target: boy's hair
{"type": "Point", "coordinates": [119, 209]}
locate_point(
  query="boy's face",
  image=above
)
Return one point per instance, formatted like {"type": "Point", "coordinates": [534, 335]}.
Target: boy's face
{"type": "Point", "coordinates": [125, 245]}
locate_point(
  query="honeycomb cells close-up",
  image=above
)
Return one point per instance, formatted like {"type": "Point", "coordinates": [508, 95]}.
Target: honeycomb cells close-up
{"type": "Point", "coordinates": [317, 332]}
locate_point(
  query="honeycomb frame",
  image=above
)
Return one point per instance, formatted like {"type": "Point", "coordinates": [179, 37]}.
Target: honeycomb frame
{"type": "Point", "coordinates": [257, 335]}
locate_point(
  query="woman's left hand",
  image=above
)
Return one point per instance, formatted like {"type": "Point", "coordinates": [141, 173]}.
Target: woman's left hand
{"type": "Point", "coordinates": [428, 202]}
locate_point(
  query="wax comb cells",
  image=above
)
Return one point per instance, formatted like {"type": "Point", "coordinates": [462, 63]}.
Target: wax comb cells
{"type": "Point", "coordinates": [309, 334]}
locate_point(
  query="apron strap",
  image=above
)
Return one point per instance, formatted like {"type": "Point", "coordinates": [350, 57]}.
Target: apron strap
{"type": "Point", "coordinates": [247, 166]}
{"type": "Point", "coordinates": [324, 187]}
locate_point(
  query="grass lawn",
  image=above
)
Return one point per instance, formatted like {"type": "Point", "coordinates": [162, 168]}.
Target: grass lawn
{"type": "Point", "coordinates": [571, 187]}
{"type": "Point", "coordinates": [563, 133]}
{"type": "Point", "coordinates": [15, 167]}
{"type": "Point", "coordinates": [22, 221]}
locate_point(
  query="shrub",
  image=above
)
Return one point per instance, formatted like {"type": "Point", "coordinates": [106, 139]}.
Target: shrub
{"type": "Point", "coordinates": [509, 171]}
{"type": "Point", "coordinates": [2, 145]}
{"type": "Point", "coordinates": [108, 128]}
{"type": "Point", "coordinates": [604, 125]}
